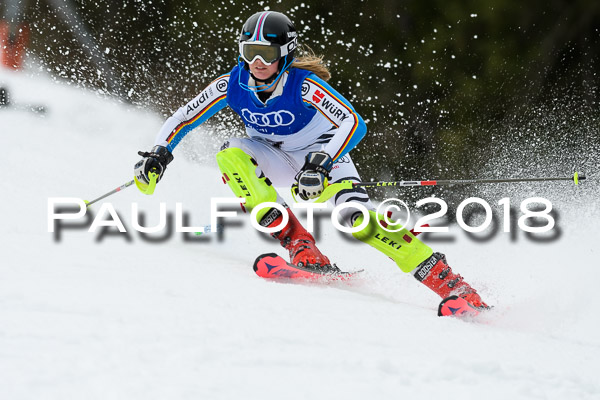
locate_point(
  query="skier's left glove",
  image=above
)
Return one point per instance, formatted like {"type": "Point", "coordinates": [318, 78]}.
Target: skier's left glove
{"type": "Point", "coordinates": [312, 178]}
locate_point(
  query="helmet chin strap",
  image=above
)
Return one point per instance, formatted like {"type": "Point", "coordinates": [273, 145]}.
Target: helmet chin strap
{"type": "Point", "coordinates": [265, 81]}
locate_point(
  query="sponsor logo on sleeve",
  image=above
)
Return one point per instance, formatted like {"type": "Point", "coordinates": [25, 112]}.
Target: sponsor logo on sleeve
{"type": "Point", "coordinates": [197, 102]}
{"type": "Point", "coordinates": [317, 96]}
{"type": "Point", "coordinates": [327, 104]}
{"type": "Point", "coordinates": [221, 85]}
{"type": "Point", "coordinates": [305, 88]}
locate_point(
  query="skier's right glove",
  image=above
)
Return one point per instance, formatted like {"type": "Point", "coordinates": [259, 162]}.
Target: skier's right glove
{"type": "Point", "coordinates": [154, 161]}
{"type": "Point", "coordinates": [312, 178]}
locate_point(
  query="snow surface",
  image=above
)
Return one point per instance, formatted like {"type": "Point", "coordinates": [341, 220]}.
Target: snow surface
{"type": "Point", "coordinates": [117, 317]}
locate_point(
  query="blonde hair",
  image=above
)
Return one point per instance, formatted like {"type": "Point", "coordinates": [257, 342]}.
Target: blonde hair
{"type": "Point", "coordinates": [310, 61]}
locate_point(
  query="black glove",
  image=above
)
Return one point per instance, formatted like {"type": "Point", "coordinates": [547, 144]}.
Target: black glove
{"type": "Point", "coordinates": [313, 176]}
{"type": "Point", "coordinates": [156, 160]}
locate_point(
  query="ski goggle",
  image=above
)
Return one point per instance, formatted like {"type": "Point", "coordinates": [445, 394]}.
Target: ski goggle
{"type": "Point", "coordinates": [268, 53]}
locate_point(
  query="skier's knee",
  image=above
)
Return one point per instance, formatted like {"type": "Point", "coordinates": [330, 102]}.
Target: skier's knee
{"type": "Point", "coordinates": [232, 142]}
{"type": "Point", "coordinates": [402, 246]}
{"type": "Point", "coordinates": [243, 176]}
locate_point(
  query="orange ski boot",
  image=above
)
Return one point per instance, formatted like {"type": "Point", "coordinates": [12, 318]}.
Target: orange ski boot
{"type": "Point", "coordinates": [295, 239]}
{"type": "Point", "coordinates": [438, 276]}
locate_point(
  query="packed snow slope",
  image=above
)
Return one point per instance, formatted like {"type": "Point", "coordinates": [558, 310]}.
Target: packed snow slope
{"type": "Point", "coordinates": [117, 316]}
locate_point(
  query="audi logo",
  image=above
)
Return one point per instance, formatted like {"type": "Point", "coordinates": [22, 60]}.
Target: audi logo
{"type": "Point", "coordinates": [271, 119]}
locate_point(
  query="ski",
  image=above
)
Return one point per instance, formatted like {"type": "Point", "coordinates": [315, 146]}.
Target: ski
{"type": "Point", "coordinates": [271, 266]}
{"type": "Point", "coordinates": [455, 306]}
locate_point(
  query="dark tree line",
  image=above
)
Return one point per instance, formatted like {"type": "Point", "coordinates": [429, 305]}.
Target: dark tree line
{"type": "Point", "coordinates": [441, 84]}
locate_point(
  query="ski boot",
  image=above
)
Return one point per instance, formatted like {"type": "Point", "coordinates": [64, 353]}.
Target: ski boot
{"type": "Point", "coordinates": [438, 276]}
{"type": "Point", "coordinates": [413, 256]}
{"type": "Point", "coordinates": [296, 240]}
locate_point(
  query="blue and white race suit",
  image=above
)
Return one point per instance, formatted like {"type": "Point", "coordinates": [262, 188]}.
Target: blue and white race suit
{"type": "Point", "coordinates": [303, 114]}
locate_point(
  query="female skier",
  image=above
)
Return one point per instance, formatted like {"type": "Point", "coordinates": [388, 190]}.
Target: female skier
{"type": "Point", "coordinates": [300, 131]}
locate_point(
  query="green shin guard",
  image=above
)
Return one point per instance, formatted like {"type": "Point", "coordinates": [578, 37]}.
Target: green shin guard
{"type": "Point", "coordinates": [402, 246]}
{"type": "Point", "coordinates": [239, 172]}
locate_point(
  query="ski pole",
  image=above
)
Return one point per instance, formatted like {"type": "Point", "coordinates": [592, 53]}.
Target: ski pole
{"type": "Point", "coordinates": [335, 188]}
{"type": "Point", "coordinates": [123, 186]}
{"type": "Point", "coordinates": [576, 178]}
{"type": "Point", "coordinates": [147, 190]}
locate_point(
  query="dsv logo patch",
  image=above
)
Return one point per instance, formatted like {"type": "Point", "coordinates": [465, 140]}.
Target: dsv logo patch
{"type": "Point", "coordinates": [271, 119]}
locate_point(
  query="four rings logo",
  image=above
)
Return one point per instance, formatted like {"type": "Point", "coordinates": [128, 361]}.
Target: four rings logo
{"type": "Point", "coordinates": [271, 119]}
